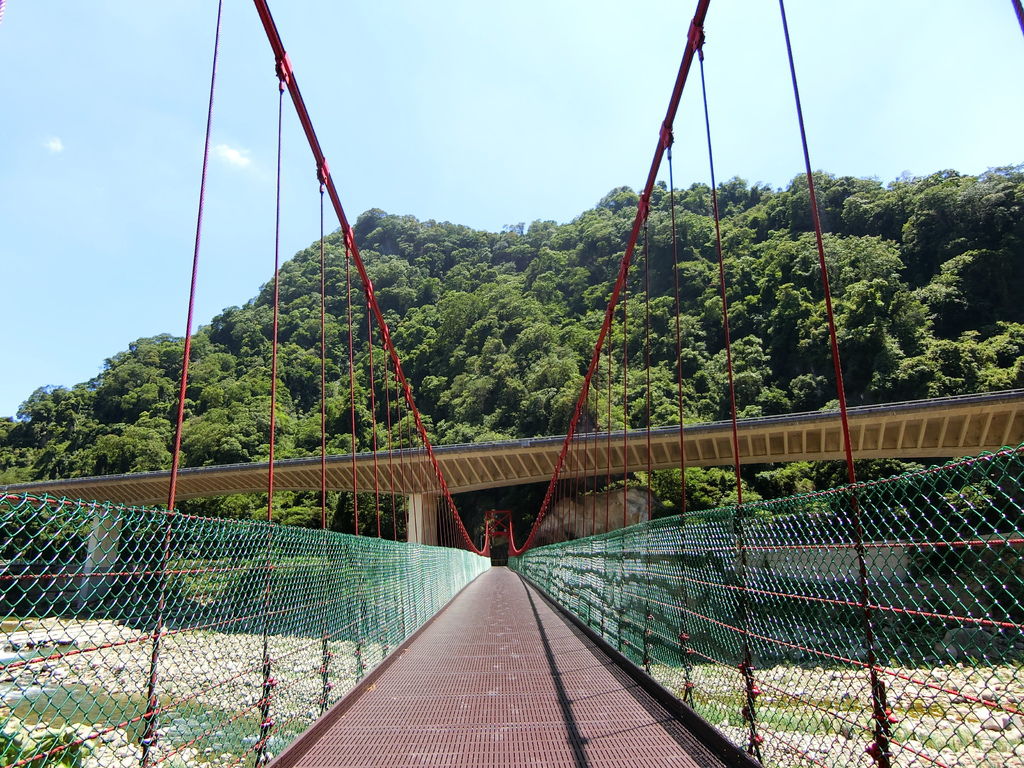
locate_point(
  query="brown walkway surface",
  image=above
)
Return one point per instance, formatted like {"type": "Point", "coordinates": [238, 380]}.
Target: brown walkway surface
{"type": "Point", "coordinates": [500, 678]}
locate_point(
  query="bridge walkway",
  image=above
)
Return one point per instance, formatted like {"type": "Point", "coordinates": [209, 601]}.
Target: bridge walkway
{"type": "Point", "coordinates": [502, 678]}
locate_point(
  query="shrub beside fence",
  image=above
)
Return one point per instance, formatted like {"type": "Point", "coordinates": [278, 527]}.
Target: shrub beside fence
{"type": "Point", "coordinates": [247, 630]}
{"type": "Point", "coordinates": [755, 616]}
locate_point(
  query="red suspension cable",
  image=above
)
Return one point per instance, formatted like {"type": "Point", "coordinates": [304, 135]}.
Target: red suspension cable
{"type": "Point", "coordinates": [679, 335]}
{"type": "Point", "coordinates": [724, 298]}
{"type": "Point", "coordinates": [149, 734]}
{"type": "Point", "coordinates": [179, 421]}
{"type": "Point", "coordinates": [285, 65]}
{"type": "Point", "coordinates": [647, 365]}
{"type": "Point", "coordinates": [642, 206]}
{"type": "Point", "coordinates": [746, 668]}
{"type": "Point", "coordinates": [608, 447]}
{"type": "Point", "coordinates": [625, 401]}
{"type": "Point", "coordinates": [352, 387]}
{"type": "Point", "coordinates": [277, 309]}
{"type": "Point", "coordinates": [880, 748]}
{"type": "Point", "coordinates": [373, 420]}
{"type": "Point", "coordinates": [323, 368]}
{"type": "Point", "coordinates": [391, 451]}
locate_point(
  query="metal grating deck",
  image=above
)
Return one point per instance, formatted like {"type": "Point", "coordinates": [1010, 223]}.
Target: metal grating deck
{"type": "Point", "coordinates": [499, 678]}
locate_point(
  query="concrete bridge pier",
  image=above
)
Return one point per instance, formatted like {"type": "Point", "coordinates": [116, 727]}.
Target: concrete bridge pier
{"type": "Point", "coordinates": [423, 517]}
{"type": "Point", "coordinates": [102, 553]}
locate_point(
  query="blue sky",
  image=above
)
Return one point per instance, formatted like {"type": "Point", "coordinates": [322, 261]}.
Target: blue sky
{"type": "Point", "coordinates": [481, 113]}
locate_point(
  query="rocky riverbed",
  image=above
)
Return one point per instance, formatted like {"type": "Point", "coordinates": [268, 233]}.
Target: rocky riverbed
{"type": "Point", "coordinates": [952, 715]}
{"type": "Point", "coordinates": [91, 678]}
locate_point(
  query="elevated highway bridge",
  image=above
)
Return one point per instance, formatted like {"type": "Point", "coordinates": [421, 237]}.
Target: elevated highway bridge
{"type": "Point", "coordinates": [938, 428]}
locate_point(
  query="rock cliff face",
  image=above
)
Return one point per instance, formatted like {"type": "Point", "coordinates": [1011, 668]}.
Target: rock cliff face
{"type": "Point", "coordinates": [594, 513]}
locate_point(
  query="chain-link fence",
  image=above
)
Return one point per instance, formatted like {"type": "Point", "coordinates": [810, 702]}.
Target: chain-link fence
{"type": "Point", "coordinates": [131, 636]}
{"type": "Point", "coordinates": [878, 623]}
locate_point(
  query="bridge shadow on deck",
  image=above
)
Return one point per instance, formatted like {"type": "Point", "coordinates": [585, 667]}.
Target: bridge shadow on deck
{"type": "Point", "coordinates": [502, 678]}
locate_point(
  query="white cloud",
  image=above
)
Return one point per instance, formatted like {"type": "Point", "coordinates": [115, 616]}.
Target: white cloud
{"type": "Point", "coordinates": [55, 145]}
{"type": "Point", "coordinates": [236, 157]}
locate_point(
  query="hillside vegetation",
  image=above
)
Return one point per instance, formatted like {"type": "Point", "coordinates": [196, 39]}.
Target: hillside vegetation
{"type": "Point", "coordinates": [495, 329]}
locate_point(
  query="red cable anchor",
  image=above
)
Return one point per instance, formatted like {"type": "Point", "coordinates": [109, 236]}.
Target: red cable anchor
{"type": "Point", "coordinates": [695, 36]}
{"type": "Point", "coordinates": [284, 68]}
{"type": "Point", "coordinates": [644, 205]}
{"type": "Point", "coordinates": [666, 136]}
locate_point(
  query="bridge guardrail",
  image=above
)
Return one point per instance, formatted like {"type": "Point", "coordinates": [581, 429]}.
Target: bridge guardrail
{"type": "Point", "coordinates": [942, 627]}
{"type": "Point", "coordinates": [130, 634]}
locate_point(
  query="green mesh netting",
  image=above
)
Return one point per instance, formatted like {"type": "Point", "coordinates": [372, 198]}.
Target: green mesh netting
{"type": "Point", "coordinates": [264, 627]}
{"type": "Point", "coordinates": [943, 556]}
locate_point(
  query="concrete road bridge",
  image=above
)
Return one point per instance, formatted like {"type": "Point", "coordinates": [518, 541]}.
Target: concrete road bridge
{"type": "Point", "coordinates": [923, 429]}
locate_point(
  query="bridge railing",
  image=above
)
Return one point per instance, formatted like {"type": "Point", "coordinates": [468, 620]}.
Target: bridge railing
{"type": "Point", "coordinates": [757, 618]}
{"type": "Point", "coordinates": [132, 636]}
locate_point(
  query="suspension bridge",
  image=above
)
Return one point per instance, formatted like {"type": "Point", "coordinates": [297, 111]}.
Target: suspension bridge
{"type": "Point", "coordinates": [876, 623]}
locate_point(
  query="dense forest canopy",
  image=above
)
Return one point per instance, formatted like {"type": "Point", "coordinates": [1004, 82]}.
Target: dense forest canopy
{"type": "Point", "coordinates": [495, 329]}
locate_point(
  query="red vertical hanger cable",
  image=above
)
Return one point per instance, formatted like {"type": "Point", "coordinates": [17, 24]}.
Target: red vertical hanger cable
{"type": "Point", "coordinates": [647, 366]}
{"type": "Point", "coordinates": [391, 450]}
{"type": "Point", "coordinates": [149, 734]}
{"type": "Point", "coordinates": [641, 214]}
{"type": "Point", "coordinates": [323, 367]}
{"type": "Point", "coordinates": [284, 63]}
{"type": "Point", "coordinates": [266, 722]}
{"type": "Point", "coordinates": [625, 400]}
{"type": "Point", "coordinates": [373, 416]}
{"type": "Point", "coordinates": [746, 666]}
{"type": "Point", "coordinates": [608, 445]}
{"type": "Point", "coordinates": [684, 632]}
{"type": "Point", "coordinates": [879, 749]}
{"type": "Point", "coordinates": [352, 388]}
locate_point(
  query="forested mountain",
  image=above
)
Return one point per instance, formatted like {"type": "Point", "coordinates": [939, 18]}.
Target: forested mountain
{"type": "Point", "coordinates": [495, 329]}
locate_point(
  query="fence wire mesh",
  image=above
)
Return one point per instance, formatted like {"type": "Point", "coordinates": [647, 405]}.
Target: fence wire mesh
{"type": "Point", "coordinates": [131, 636]}
{"type": "Point", "coordinates": [942, 552]}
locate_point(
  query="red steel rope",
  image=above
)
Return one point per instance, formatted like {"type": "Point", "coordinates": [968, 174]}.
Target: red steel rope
{"type": "Point", "coordinates": [284, 64]}
{"type": "Point", "coordinates": [323, 368]}
{"type": "Point", "coordinates": [176, 451]}
{"type": "Point", "coordinates": [277, 309]}
{"type": "Point", "coordinates": [266, 723]}
{"type": "Point", "coordinates": [880, 748]}
{"type": "Point", "coordinates": [391, 450]}
{"type": "Point", "coordinates": [625, 401]}
{"type": "Point", "coordinates": [149, 735]}
{"type": "Point", "coordinates": [608, 447]}
{"type": "Point", "coordinates": [684, 631]}
{"type": "Point", "coordinates": [647, 365]}
{"type": "Point", "coordinates": [373, 417]}
{"type": "Point", "coordinates": [351, 386]}
{"type": "Point", "coordinates": [641, 214]}
{"type": "Point", "coordinates": [679, 335]}
{"type": "Point", "coordinates": [750, 713]}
